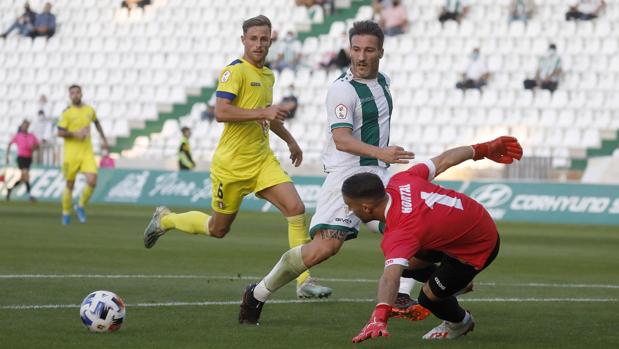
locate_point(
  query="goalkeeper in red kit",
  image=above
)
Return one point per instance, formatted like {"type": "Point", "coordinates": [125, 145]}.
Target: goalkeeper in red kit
{"type": "Point", "coordinates": [441, 237]}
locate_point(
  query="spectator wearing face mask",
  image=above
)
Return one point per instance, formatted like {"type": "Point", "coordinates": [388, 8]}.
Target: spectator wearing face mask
{"type": "Point", "coordinates": [476, 74]}
{"type": "Point", "coordinates": [287, 52]}
{"type": "Point", "coordinates": [548, 71]}
{"type": "Point", "coordinates": [521, 10]}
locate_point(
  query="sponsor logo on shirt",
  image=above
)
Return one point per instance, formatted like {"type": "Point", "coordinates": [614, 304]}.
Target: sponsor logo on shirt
{"type": "Point", "coordinates": [343, 220]}
{"type": "Point", "coordinates": [341, 111]}
{"type": "Point", "coordinates": [405, 195]}
{"type": "Point", "coordinates": [253, 83]}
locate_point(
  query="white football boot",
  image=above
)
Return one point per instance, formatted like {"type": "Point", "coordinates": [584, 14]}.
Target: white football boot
{"type": "Point", "coordinates": [452, 330]}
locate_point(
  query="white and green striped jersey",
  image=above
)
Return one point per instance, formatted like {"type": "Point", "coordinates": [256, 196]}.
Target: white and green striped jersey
{"type": "Point", "coordinates": [364, 106]}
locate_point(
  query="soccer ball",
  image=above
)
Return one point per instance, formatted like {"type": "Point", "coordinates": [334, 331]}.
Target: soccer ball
{"type": "Point", "coordinates": [102, 311]}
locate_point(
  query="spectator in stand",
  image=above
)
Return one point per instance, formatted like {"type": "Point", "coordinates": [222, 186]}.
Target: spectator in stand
{"type": "Point", "coordinates": [289, 53]}
{"type": "Point", "coordinates": [185, 161]}
{"type": "Point", "coordinates": [585, 10]}
{"type": "Point", "coordinates": [328, 6]}
{"type": "Point", "coordinates": [341, 58]}
{"type": "Point", "coordinates": [290, 102]}
{"type": "Point", "coordinates": [476, 74]}
{"type": "Point", "coordinates": [394, 19]}
{"type": "Point", "coordinates": [24, 23]}
{"type": "Point", "coordinates": [273, 50]}
{"type": "Point", "coordinates": [521, 10]}
{"type": "Point", "coordinates": [454, 10]}
{"type": "Point", "coordinates": [45, 23]}
{"type": "Point", "coordinates": [106, 160]}
{"type": "Point", "coordinates": [548, 71]}
{"type": "Point", "coordinates": [26, 143]}
{"type": "Point", "coordinates": [131, 4]}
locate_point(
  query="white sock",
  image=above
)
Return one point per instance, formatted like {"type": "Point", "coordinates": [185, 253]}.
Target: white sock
{"type": "Point", "coordinates": [374, 227]}
{"type": "Point", "coordinates": [467, 318]}
{"type": "Point", "coordinates": [261, 292]}
{"type": "Point", "coordinates": [287, 269]}
{"type": "Point", "coordinates": [406, 285]}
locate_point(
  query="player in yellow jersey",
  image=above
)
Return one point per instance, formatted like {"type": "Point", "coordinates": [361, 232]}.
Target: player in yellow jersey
{"type": "Point", "coordinates": [74, 127]}
{"type": "Point", "coordinates": [244, 162]}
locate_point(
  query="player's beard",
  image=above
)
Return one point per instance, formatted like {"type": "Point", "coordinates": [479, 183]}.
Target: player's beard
{"type": "Point", "coordinates": [368, 70]}
{"type": "Point", "coordinates": [258, 58]}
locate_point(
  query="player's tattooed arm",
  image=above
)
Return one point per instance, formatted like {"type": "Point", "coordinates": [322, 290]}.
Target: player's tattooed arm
{"type": "Point", "coordinates": [333, 234]}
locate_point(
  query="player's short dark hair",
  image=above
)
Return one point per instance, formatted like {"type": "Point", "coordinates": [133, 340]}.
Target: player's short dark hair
{"type": "Point", "coordinates": [364, 186]}
{"type": "Point", "coordinates": [258, 21]}
{"type": "Point", "coordinates": [75, 86]}
{"type": "Point", "coordinates": [185, 129]}
{"type": "Point", "coordinates": [367, 28]}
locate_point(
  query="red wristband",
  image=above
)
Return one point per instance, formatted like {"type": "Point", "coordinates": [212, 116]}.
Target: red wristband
{"type": "Point", "coordinates": [481, 151]}
{"type": "Point", "coordinates": [381, 312]}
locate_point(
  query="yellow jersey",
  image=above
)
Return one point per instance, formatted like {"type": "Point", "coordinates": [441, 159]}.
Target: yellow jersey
{"type": "Point", "coordinates": [244, 146]}
{"type": "Point", "coordinates": [73, 119]}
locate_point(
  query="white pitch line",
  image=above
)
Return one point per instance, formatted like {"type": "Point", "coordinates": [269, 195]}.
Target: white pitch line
{"type": "Point", "coordinates": [249, 277]}
{"type": "Point", "coordinates": [296, 301]}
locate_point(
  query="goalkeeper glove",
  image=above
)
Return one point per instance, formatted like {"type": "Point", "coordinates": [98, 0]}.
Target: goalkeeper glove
{"type": "Point", "coordinates": [377, 326]}
{"type": "Point", "coordinates": [502, 150]}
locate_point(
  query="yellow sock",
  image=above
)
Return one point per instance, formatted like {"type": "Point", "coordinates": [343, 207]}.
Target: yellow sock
{"type": "Point", "coordinates": [297, 235]}
{"type": "Point", "coordinates": [192, 222]}
{"type": "Point", "coordinates": [86, 194]}
{"type": "Point", "coordinates": [66, 200]}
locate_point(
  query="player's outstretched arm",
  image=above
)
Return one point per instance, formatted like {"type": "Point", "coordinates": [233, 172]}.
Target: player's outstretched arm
{"type": "Point", "coordinates": [387, 291]}
{"type": "Point", "coordinates": [225, 111]}
{"type": "Point", "coordinates": [346, 142]}
{"type": "Point", "coordinates": [100, 130]}
{"type": "Point", "coordinates": [296, 154]}
{"type": "Point", "coordinates": [502, 150]}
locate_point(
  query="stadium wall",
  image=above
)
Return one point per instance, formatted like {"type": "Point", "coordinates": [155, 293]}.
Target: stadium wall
{"type": "Point", "coordinates": [543, 202]}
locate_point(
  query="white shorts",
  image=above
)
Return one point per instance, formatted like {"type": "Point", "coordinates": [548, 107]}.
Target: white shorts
{"type": "Point", "coordinates": [331, 211]}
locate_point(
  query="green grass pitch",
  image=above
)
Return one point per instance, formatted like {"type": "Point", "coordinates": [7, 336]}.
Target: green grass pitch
{"type": "Point", "coordinates": [551, 286]}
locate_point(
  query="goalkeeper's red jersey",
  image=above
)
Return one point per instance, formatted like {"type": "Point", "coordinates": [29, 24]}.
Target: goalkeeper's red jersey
{"type": "Point", "coordinates": [422, 215]}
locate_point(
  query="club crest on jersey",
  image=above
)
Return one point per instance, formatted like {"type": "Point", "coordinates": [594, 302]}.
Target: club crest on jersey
{"type": "Point", "coordinates": [341, 111]}
{"type": "Point", "coordinates": [225, 76]}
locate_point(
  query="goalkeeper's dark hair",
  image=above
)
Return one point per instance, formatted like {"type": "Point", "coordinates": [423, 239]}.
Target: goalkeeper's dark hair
{"type": "Point", "coordinates": [364, 186]}
{"type": "Point", "coordinates": [75, 86]}
{"type": "Point", "coordinates": [367, 28]}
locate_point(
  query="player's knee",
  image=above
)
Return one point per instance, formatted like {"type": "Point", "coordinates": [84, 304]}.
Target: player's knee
{"type": "Point", "coordinates": [426, 300]}
{"type": "Point", "coordinates": [427, 294]}
{"type": "Point", "coordinates": [219, 232]}
{"type": "Point", "coordinates": [92, 182]}
{"type": "Point", "coordinates": [297, 208]}
{"type": "Point", "coordinates": [70, 185]}
{"type": "Point", "coordinates": [321, 252]}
